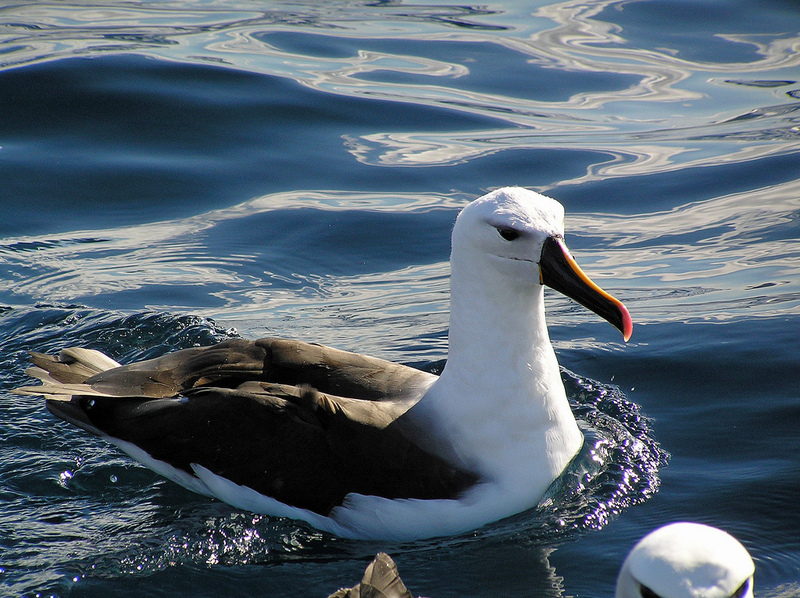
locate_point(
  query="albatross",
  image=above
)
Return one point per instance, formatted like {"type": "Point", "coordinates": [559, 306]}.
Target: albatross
{"type": "Point", "coordinates": [687, 560]}
{"type": "Point", "coordinates": [354, 445]}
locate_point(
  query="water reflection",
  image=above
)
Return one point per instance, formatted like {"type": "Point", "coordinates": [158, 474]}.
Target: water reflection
{"type": "Point", "coordinates": [570, 67]}
{"type": "Point", "coordinates": [574, 38]}
{"type": "Point", "coordinates": [76, 266]}
{"type": "Point", "coordinates": [769, 132]}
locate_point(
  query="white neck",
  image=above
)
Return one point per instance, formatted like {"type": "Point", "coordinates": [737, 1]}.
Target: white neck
{"type": "Point", "coordinates": [497, 330]}
{"type": "Point", "coordinates": [500, 400]}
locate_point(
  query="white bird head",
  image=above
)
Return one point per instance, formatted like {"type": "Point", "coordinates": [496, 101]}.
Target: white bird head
{"type": "Point", "coordinates": [687, 560]}
{"type": "Point", "coordinates": [514, 238]}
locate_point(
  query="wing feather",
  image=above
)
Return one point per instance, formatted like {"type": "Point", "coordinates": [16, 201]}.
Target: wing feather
{"type": "Point", "coordinates": [304, 424]}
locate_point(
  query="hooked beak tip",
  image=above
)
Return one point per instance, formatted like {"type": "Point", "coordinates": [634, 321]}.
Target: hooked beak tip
{"type": "Point", "coordinates": [627, 323]}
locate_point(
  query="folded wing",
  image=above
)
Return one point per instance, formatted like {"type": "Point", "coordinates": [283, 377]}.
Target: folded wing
{"type": "Point", "coordinates": [302, 423]}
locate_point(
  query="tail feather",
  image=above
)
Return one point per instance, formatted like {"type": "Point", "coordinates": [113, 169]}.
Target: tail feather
{"type": "Point", "coordinates": [64, 375]}
{"type": "Point", "coordinates": [42, 375]}
{"type": "Point", "coordinates": [56, 391]}
{"type": "Point", "coordinates": [73, 365]}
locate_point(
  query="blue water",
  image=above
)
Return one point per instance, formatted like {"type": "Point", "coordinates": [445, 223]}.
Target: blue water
{"type": "Point", "coordinates": [173, 174]}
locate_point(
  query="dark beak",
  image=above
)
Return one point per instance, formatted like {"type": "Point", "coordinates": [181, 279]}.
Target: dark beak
{"type": "Point", "coordinates": [559, 271]}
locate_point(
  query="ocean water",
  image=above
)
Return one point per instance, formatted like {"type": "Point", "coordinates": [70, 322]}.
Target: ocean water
{"type": "Point", "coordinates": [177, 173]}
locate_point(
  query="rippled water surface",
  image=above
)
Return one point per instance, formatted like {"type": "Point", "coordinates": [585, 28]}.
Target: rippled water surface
{"type": "Point", "coordinates": [177, 173]}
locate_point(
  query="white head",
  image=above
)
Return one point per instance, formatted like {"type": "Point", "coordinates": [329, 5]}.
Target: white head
{"type": "Point", "coordinates": [510, 242]}
{"type": "Point", "coordinates": [508, 227]}
{"type": "Point", "coordinates": [687, 560]}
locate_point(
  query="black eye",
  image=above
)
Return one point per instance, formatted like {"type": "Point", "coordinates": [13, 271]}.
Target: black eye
{"type": "Point", "coordinates": [508, 233]}
{"type": "Point", "coordinates": [647, 592]}
{"type": "Point", "coordinates": [742, 589]}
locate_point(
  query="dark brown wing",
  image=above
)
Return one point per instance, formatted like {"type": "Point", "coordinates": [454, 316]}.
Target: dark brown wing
{"type": "Point", "coordinates": [233, 362]}
{"type": "Point", "coordinates": [247, 411]}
